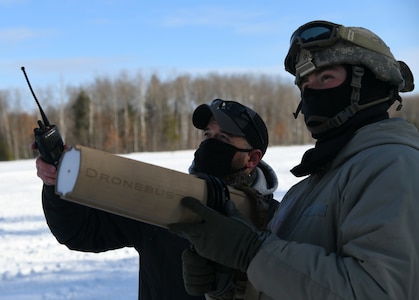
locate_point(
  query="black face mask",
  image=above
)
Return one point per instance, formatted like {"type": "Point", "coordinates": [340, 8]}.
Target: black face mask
{"type": "Point", "coordinates": [214, 157]}
{"type": "Point", "coordinates": [325, 103]}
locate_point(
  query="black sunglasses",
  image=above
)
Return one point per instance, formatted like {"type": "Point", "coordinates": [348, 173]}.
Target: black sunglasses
{"type": "Point", "coordinates": [238, 110]}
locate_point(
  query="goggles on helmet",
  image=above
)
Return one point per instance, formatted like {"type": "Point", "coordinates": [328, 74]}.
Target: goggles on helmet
{"type": "Point", "coordinates": [321, 34]}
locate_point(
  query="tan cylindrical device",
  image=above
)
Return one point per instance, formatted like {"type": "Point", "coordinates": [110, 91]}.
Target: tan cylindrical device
{"type": "Point", "coordinates": [132, 188]}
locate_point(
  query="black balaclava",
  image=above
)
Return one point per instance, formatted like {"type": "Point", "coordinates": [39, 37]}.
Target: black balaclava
{"type": "Point", "coordinates": [215, 158]}
{"type": "Point", "coordinates": [330, 142]}
{"type": "Point", "coordinates": [325, 103]}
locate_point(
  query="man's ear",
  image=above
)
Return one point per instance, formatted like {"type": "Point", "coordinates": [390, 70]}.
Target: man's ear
{"type": "Point", "coordinates": [254, 158]}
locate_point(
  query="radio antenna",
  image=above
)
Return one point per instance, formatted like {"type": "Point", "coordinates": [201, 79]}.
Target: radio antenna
{"type": "Point", "coordinates": [44, 117]}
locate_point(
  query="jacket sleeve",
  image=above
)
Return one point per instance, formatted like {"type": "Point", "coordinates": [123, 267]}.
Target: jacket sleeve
{"type": "Point", "coordinates": [87, 229]}
{"type": "Point", "coordinates": [376, 236]}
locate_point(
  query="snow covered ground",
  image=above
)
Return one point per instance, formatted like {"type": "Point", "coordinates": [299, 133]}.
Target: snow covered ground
{"type": "Point", "coordinates": [33, 265]}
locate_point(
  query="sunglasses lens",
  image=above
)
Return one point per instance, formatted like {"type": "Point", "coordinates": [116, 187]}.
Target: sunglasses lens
{"type": "Point", "coordinates": [217, 103]}
{"type": "Point", "coordinates": [313, 33]}
{"type": "Point", "coordinates": [239, 111]}
{"type": "Point", "coordinates": [231, 106]}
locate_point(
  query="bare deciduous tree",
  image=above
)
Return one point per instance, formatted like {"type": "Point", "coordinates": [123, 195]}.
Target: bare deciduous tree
{"type": "Point", "coordinates": [151, 114]}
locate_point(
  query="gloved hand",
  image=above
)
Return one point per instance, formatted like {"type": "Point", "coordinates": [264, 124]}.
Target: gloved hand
{"type": "Point", "coordinates": [230, 240]}
{"type": "Point", "coordinates": [218, 192]}
{"type": "Point", "coordinates": [202, 276]}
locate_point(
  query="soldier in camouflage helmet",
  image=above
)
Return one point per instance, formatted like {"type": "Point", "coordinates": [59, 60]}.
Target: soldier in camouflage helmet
{"type": "Point", "coordinates": [320, 44]}
{"type": "Point", "coordinates": [348, 230]}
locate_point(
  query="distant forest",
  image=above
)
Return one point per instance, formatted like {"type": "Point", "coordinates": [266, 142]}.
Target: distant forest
{"type": "Point", "coordinates": [135, 114]}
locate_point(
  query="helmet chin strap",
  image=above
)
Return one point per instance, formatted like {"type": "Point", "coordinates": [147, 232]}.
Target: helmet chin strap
{"type": "Point", "coordinates": [346, 114]}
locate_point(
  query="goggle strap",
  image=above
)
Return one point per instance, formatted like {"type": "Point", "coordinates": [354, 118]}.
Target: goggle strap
{"type": "Point", "coordinates": [360, 40]}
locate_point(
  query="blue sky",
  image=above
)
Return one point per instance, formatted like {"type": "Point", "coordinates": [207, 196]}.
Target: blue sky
{"type": "Point", "coordinates": [72, 41]}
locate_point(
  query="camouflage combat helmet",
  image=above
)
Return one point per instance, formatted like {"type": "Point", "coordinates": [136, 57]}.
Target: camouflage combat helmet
{"type": "Point", "coordinates": [319, 44]}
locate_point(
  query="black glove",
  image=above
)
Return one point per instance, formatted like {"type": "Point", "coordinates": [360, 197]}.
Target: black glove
{"type": "Point", "coordinates": [217, 191]}
{"type": "Point", "coordinates": [202, 276]}
{"type": "Point", "coordinates": [229, 240]}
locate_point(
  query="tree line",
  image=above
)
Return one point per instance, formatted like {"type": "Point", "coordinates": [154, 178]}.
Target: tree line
{"type": "Point", "coordinates": [138, 113]}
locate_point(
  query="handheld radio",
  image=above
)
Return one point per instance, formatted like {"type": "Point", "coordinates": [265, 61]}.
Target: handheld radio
{"type": "Point", "coordinates": [47, 137]}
